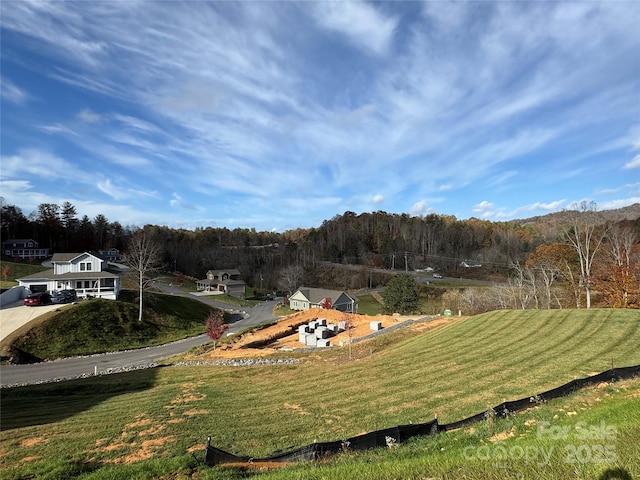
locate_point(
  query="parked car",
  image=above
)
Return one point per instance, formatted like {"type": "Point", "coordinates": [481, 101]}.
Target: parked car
{"type": "Point", "coordinates": [38, 298]}
{"type": "Point", "coordinates": [70, 294]}
{"type": "Point", "coordinates": [437, 275]}
{"type": "Point", "coordinates": [59, 297]}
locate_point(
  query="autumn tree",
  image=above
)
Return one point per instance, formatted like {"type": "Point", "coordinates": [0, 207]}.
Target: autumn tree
{"type": "Point", "coordinates": [6, 270]}
{"type": "Point", "coordinates": [143, 257]}
{"type": "Point", "coordinates": [401, 294]}
{"type": "Point", "coordinates": [585, 235]}
{"type": "Point", "coordinates": [546, 264]}
{"type": "Point", "coordinates": [216, 326]}
{"type": "Point", "coordinates": [326, 303]}
{"type": "Point", "coordinates": [618, 277]}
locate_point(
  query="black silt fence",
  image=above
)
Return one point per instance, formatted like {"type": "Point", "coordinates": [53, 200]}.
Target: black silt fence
{"type": "Point", "coordinates": [398, 434]}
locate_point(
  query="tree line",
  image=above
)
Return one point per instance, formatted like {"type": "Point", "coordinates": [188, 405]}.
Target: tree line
{"type": "Point", "coordinates": [555, 263]}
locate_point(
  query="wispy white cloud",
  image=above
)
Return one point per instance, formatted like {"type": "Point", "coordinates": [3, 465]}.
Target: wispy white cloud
{"type": "Point", "coordinates": [484, 207]}
{"type": "Point", "coordinates": [618, 203]}
{"type": "Point", "coordinates": [87, 116]}
{"type": "Point", "coordinates": [634, 163]}
{"type": "Point", "coordinates": [11, 92]}
{"type": "Point", "coordinates": [421, 208]}
{"type": "Point", "coordinates": [362, 23]}
{"type": "Point", "coordinates": [35, 163]}
{"type": "Point", "coordinates": [118, 192]}
{"type": "Point", "coordinates": [262, 112]}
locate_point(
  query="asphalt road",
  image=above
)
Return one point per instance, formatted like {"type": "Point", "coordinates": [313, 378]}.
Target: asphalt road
{"type": "Point", "coordinates": [73, 367]}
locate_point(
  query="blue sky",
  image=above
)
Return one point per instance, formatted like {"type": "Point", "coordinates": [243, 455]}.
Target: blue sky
{"type": "Point", "coordinates": [279, 115]}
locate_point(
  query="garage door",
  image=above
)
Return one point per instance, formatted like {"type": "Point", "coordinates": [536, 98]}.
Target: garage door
{"type": "Point", "coordinates": [38, 288]}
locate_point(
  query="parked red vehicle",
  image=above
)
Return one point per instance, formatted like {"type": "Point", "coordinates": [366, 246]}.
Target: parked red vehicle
{"type": "Point", "coordinates": [38, 298]}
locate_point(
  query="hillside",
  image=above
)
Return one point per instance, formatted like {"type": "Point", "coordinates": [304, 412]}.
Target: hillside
{"type": "Point", "coordinates": [144, 424]}
{"type": "Point", "coordinates": [631, 212]}
{"type": "Point", "coordinates": [100, 325]}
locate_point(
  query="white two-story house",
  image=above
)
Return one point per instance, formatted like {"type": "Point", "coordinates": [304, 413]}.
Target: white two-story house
{"type": "Point", "coordinates": [86, 273]}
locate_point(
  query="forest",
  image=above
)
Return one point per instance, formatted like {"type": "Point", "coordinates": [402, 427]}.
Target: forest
{"type": "Point", "coordinates": [555, 261]}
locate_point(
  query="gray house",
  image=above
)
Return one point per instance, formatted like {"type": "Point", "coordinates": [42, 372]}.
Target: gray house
{"type": "Point", "coordinates": [223, 281]}
{"type": "Point", "coordinates": [305, 298]}
{"type": "Point", "coordinates": [23, 248]}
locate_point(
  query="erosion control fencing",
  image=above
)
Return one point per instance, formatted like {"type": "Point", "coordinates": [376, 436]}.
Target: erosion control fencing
{"type": "Point", "coordinates": [398, 434]}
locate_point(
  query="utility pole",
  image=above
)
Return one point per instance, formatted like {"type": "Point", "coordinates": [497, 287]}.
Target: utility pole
{"type": "Point", "coordinates": [406, 264]}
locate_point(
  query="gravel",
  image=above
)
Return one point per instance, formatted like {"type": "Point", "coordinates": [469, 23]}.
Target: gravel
{"type": "Point", "coordinates": [236, 362]}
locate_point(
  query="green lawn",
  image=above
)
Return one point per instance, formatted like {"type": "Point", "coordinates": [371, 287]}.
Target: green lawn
{"type": "Point", "coordinates": [452, 371]}
{"type": "Point", "coordinates": [17, 270]}
{"type": "Point", "coordinates": [99, 325]}
{"type": "Point", "coordinates": [368, 305]}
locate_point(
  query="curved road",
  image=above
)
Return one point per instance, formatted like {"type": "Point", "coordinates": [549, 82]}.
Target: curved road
{"type": "Point", "coordinates": [76, 366]}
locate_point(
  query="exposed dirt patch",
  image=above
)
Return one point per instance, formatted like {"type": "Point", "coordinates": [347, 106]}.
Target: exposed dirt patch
{"type": "Point", "coordinates": [144, 450]}
{"type": "Point", "coordinates": [143, 422]}
{"type": "Point", "coordinates": [189, 394]}
{"type": "Point", "coordinates": [193, 411]}
{"type": "Point", "coordinates": [30, 442]}
{"type": "Point", "coordinates": [297, 408]}
{"type": "Point", "coordinates": [284, 334]}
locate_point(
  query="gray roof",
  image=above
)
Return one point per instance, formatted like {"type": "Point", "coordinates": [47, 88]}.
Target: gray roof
{"type": "Point", "coordinates": [317, 295]}
{"type": "Point", "coordinates": [48, 275]}
{"type": "Point", "coordinates": [230, 271]}
{"type": "Point", "coordinates": [67, 257]}
{"type": "Point", "coordinates": [20, 240]}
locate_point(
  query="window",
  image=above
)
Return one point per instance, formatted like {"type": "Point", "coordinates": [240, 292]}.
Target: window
{"type": "Point", "coordinates": [82, 267]}
{"type": "Point", "coordinates": [85, 266]}
{"type": "Point", "coordinates": [88, 266]}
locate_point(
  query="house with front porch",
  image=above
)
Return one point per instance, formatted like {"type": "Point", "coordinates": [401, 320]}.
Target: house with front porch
{"type": "Point", "coordinates": [87, 273]}
{"type": "Point", "coordinates": [223, 281]}
{"type": "Point", "coordinates": [306, 298]}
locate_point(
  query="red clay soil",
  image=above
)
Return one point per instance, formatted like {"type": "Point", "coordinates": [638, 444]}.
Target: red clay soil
{"type": "Point", "coordinates": [284, 334]}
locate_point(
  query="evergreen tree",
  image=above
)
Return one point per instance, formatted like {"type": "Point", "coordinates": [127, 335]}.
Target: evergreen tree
{"type": "Point", "coordinates": [401, 294]}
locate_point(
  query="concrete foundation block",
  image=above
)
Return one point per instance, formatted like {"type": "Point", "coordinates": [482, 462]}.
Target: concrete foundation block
{"type": "Point", "coordinates": [375, 326]}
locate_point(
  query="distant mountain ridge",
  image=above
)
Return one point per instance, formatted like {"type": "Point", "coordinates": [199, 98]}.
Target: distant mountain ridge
{"type": "Point", "coordinates": [630, 213]}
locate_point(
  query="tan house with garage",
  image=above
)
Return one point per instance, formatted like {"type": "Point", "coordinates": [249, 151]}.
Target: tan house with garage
{"type": "Point", "coordinates": [223, 281]}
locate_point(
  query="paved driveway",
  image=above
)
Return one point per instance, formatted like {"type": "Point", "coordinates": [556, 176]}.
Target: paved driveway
{"type": "Point", "coordinates": [14, 315]}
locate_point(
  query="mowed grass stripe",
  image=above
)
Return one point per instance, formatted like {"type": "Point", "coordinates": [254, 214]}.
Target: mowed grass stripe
{"type": "Point", "coordinates": [259, 410]}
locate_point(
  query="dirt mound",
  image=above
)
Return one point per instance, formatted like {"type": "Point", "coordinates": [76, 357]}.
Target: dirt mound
{"type": "Point", "coordinates": [284, 334]}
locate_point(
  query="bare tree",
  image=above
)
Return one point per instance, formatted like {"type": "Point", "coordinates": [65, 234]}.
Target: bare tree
{"type": "Point", "coordinates": [585, 235]}
{"type": "Point", "coordinates": [621, 240]}
{"type": "Point", "coordinates": [143, 257]}
{"type": "Point", "coordinates": [290, 278]}
{"type": "Point", "coordinates": [617, 277]}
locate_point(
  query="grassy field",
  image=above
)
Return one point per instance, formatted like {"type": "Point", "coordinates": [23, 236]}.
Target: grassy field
{"type": "Point", "coordinates": [17, 270]}
{"type": "Point", "coordinates": [368, 305]}
{"type": "Point", "coordinates": [144, 424]}
{"type": "Point", "coordinates": [100, 325]}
